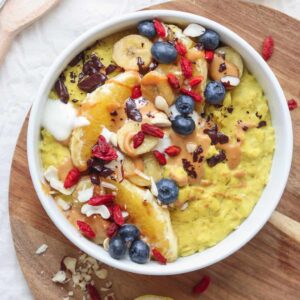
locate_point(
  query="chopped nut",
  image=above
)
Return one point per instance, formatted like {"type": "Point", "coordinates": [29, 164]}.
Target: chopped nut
{"type": "Point", "coordinates": [63, 204]}
{"type": "Point", "coordinates": [60, 277]}
{"type": "Point", "coordinates": [106, 244]}
{"type": "Point", "coordinates": [41, 249]}
{"type": "Point", "coordinates": [102, 273]}
{"type": "Point", "coordinates": [71, 293]}
{"type": "Point", "coordinates": [162, 104]}
{"type": "Point", "coordinates": [191, 147]}
{"type": "Point", "coordinates": [160, 120]}
{"type": "Point", "coordinates": [70, 264]}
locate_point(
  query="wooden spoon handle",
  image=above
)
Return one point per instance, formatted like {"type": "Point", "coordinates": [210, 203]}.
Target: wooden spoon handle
{"type": "Point", "coordinates": [286, 225]}
{"type": "Point", "coordinates": [6, 39]}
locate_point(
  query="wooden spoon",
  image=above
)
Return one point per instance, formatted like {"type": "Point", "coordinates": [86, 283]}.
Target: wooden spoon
{"type": "Point", "coordinates": [18, 14]}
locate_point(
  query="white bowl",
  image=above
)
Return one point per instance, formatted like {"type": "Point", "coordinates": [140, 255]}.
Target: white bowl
{"type": "Point", "coordinates": [280, 167]}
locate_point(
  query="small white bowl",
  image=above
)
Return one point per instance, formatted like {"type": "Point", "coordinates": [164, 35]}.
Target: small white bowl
{"type": "Point", "coordinates": [280, 167]}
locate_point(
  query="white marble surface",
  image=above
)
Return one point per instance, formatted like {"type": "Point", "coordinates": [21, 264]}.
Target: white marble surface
{"type": "Point", "coordinates": [20, 75]}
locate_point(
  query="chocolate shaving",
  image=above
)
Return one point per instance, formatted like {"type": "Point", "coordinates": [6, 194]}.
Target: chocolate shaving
{"type": "Point", "coordinates": [262, 124]}
{"type": "Point", "coordinates": [92, 66]}
{"type": "Point", "coordinates": [76, 59]}
{"type": "Point", "coordinates": [214, 160]}
{"type": "Point", "coordinates": [258, 115]}
{"type": "Point", "coordinates": [222, 67]}
{"type": "Point", "coordinates": [132, 112]}
{"type": "Point", "coordinates": [61, 89]}
{"type": "Point", "coordinates": [189, 168]}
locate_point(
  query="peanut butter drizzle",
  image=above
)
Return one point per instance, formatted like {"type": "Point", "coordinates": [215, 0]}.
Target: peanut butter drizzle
{"type": "Point", "coordinates": [198, 138]}
{"type": "Point", "coordinates": [233, 154]}
{"type": "Point", "coordinates": [138, 163]}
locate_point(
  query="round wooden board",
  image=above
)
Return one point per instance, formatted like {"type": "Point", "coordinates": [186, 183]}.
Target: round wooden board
{"type": "Point", "coordinates": [266, 268]}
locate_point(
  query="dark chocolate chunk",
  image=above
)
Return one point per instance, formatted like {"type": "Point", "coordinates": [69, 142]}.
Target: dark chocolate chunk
{"type": "Point", "coordinates": [215, 159]}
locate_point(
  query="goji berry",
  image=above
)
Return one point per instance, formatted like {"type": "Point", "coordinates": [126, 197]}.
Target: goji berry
{"type": "Point", "coordinates": [160, 157]}
{"type": "Point", "coordinates": [160, 28]}
{"type": "Point", "coordinates": [138, 139]}
{"type": "Point", "coordinates": [181, 49]}
{"type": "Point", "coordinates": [93, 293]}
{"type": "Point", "coordinates": [101, 200]}
{"type": "Point", "coordinates": [195, 80]}
{"type": "Point", "coordinates": [136, 92]}
{"type": "Point", "coordinates": [117, 215]}
{"type": "Point", "coordinates": [173, 150]}
{"type": "Point", "coordinates": [112, 229]}
{"type": "Point", "coordinates": [103, 150]}
{"type": "Point", "coordinates": [186, 67]}
{"type": "Point", "coordinates": [173, 81]}
{"type": "Point", "coordinates": [202, 286]}
{"type": "Point", "coordinates": [72, 178]}
{"type": "Point", "coordinates": [197, 97]}
{"type": "Point", "coordinates": [152, 130]}
{"type": "Point", "coordinates": [292, 103]}
{"type": "Point", "coordinates": [86, 229]}
{"type": "Point", "coordinates": [267, 48]}
{"type": "Point", "coordinates": [158, 256]}
{"type": "Point", "coordinates": [209, 55]}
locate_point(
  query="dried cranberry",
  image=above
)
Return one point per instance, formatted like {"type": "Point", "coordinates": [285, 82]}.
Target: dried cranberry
{"type": "Point", "coordinates": [197, 97]}
{"type": "Point", "coordinates": [101, 200]}
{"type": "Point", "coordinates": [92, 291]}
{"type": "Point", "coordinates": [186, 67]}
{"type": "Point", "coordinates": [197, 153]}
{"type": "Point", "coordinates": [72, 178]}
{"type": "Point", "coordinates": [180, 47]}
{"type": "Point", "coordinates": [267, 48]}
{"type": "Point", "coordinates": [158, 256]}
{"type": "Point", "coordinates": [132, 112]}
{"type": "Point", "coordinates": [209, 55]}
{"type": "Point", "coordinates": [76, 59]}
{"type": "Point", "coordinates": [103, 150]}
{"type": "Point", "coordinates": [202, 286]}
{"type": "Point", "coordinates": [292, 104]}
{"type": "Point", "coordinates": [173, 81]}
{"type": "Point", "coordinates": [136, 92]}
{"type": "Point", "coordinates": [61, 90]}
{"type": "Point", "coordinates": [112, 230]}
{"type": "Point", "coordinates": [138, 139]}
{"type": "Point", "coordinates": [86, 229]}
{"type": "Point", "coordinates": [173, 150]}
{"type": "Point", "coordinates": [152, 130]}
{"type": "Point", "coordinates": [160, 157]}
{"type": "Point", "coordinates": [160, 28]}
{"type": "Point", "coordinates": [117, 215]}
{"type": "Point", "coordinates": [90, 82]}
{"type": "Point", "coordinates": [195, 81]}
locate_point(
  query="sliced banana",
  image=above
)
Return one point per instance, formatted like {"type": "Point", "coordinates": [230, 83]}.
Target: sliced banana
{"type": "Point", "coordinates": [220, 67]}
{"type": "Point", "coordinates": [130, 168]}
{"type": "Point", "coordinates": [233, 57]}
{"type": "Point", "coordinates": [174, 32]}
{"type": "Point", "coordinates": [151, 167]}
{"type": "Point", "coordinates": [193, 54]}
{"type": "Point", "coordinates": [155, 84]}
{"type": "Point", "coordinates": [131, 47]}
{"type": "Point", "coordinates": [125, 135]}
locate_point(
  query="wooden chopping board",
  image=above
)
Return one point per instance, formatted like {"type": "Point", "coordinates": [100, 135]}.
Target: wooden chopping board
{"type": "Point", "coordinates": [268, 267]}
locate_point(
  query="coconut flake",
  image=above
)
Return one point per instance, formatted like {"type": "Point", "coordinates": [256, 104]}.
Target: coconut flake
{"type": "Point", "coordinates": [41, 249]}
{"type": "Point", "coordinates": [85, 194]}
{"type": "Point", "coordinates": [229, 81]}
{"type": "Point", "coordinates": [106, 134]}
{"type": "Point", "coordinates": [162, 104]}
{"type": "Point", "coordinates": [64, 205]}
{"type": "Point", "coordinates": [191, 147]}
{"type": "Point", "coordinates": [141, 174]}
{"type": "Point", "coordinates": [163, 143]}
{"type": "Point", "coordinates": [194, 30]}
{"type": "Point", "coordinates": [60, 277]}
{"type": "Point", "coordinates": [81, 122]}
{"type": "Point", "coordinates": [114, 139]}
{"type": "Point", "coordinates": [153, 188]}
{"type": "Point", "coordinates": [108, 185]}
{"type": "Point", "coordinates": [90, 210]}
{"type": "Point", "coordinates": [51, 176]}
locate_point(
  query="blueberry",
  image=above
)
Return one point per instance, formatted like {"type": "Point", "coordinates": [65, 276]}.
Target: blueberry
{"type": "Point", "coordinates": [139, 252]}
{"type": "Point", "coordinates": [210, 39]}
{"type": "Point", "coordinates": [185, 104]}
{"type": "Point", "coordinates": [146, 28]}
{"type": "Point", "coordinates": [164, 52]}
{"type": "Point", "coordinates": [167, 191]}
{"type": "Point", "coordinates": [117, 247]}
{"type": "Point", "coordinates": [129, 233]}
{"type": "Point", "coordinates": [183, 125]}
{"type": "Point", "coordinates": [214, 92]}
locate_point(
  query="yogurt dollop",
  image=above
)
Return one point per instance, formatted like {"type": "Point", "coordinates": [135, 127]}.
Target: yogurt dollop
{"type": "Point", "coordinates": [60, 119]}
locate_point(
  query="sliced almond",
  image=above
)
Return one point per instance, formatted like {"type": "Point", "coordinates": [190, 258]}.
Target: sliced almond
{"type": "Point", "coordinates": [60, 277]}
{"type": "Point", "coordinates": [161, 104]}
{"type": "Point", "coordinates": [64, 205]}
{"type": "Point", "coordinates": [41, 249]}
{"type": "Point", "coordinates": [230, 81]}
{"type": "Point", "coordinates": [194, 30]}
{"type": "Point", "coordinates": [160, 120]}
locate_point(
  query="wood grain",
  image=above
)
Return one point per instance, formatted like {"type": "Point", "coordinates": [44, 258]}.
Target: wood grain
{"type": "Point", "coordinates": [266, 268]}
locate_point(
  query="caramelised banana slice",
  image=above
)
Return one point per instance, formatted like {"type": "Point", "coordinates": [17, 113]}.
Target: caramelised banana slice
{"type": "Point", "coordinates": [134, 174]}
{"type": "Point", "coordinates": [131, 48]}
{"type": "Point", "coordinates": [125, 135]}
{"type": "Point", "coordinates": [155, 84]}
